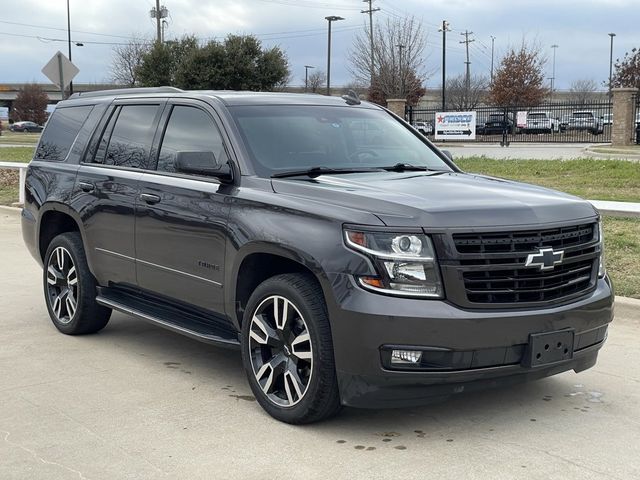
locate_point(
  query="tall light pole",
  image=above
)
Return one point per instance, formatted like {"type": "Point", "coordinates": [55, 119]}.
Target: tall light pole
{"type": "Point", "coordinates": [493, 42]}
{"type": "Point", "coordinates": [330, 19]}
{"type": "Point", "coordinates": [553, 72]}
{"type": "Point", "coordinates": [444, 30]}
{"type": "Point", "coordinates": [611, 65]}
{"type": "Point", "coordinates": [69, 43]}
{"type": "Point", "coordinates": [306, 77]}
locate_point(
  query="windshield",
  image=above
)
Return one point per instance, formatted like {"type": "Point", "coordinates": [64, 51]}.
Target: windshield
{"type": "Point", "coordinates": [536, 116]}
{"type": "Point", "coordinates": [583, 115]}
{"type": "Point", "coordinates": [296, 137]}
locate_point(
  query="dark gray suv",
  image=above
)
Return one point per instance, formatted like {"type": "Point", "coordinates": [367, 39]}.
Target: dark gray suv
{"type": "Point", "coordinates": [349, 260]}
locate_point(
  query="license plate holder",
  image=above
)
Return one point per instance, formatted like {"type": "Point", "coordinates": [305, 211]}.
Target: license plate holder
{"type": "Point", "coordinates": [549, 347]}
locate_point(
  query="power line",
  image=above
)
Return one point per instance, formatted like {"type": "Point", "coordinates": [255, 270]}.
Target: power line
{"type": "Point", "coordinates": [63, 29]}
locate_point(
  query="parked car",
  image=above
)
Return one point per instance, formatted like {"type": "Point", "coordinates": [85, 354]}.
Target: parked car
{"type": "Point", "coordinates": [30, 127]}
{"type": "Point", "coordinates": [426, 128]}
{"type": "Point", "coordinates": [607, 119]}
{"type": "Point", "coordinates": [586, 121]}
{"type": "Point", "coordinates": [541, 122]}
{"type": "Point", "coordinates": [349, 260]}
{"type": "Point", "coordinates": [499, 123]}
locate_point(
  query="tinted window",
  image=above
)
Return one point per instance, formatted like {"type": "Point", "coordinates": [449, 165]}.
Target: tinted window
{"type": "Point", "coordinates": [189, 130]}
{"type": "Point", "coordinates": [130, 141]}
{"type": "Point", "coordinates": [283, 138]}
{"type": "Point", "coordinates": [61, 131]}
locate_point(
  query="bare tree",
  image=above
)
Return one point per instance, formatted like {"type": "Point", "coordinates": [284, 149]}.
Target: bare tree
{"type": "Point", "coordinates": [583, 91]}
{"type": "Point", "coordinates": [458, 98]}
{"type": "Point", "coordinates": [519, 80]}
{"type": "Point", "coordinates": [126, 61]}
{"type": "Point", "coordinates": [399, 60]}
{"type": "Point", "coordinates": [316, 80]}
{"type": "Point", "coordinates": [30, 104]}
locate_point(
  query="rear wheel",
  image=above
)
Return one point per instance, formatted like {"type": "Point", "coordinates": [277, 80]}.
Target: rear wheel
{"type": "Point", "coordinates": [70, 288]}
{"type": "Point", "coordinates": [287, 350]}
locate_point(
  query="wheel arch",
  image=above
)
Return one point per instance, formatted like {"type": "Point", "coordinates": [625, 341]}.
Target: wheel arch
{"type": "Point", "coordinates": [259, 261]}
{"type": "Point", "coordinates": [55, 219]}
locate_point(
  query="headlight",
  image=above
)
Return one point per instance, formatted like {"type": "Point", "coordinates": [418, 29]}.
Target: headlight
{"type": "Point", "coordinates": [602, 271]}
{"type": "Point", "coordinates": [405, 263]}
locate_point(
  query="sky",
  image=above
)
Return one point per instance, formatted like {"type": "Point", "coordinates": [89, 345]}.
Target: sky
{"type": "Point", "coordinates": [31, 31]}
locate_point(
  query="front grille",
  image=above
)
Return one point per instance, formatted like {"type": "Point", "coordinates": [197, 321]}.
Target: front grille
{"type": "Point", "coordinates": [491, 266]}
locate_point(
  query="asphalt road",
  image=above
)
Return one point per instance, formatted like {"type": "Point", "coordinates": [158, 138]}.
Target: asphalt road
{"type": "Point", "coordinates": [138, 402]}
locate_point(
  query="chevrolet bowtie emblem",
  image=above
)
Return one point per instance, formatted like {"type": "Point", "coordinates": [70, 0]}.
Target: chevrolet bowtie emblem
{"type": "Point", "coordinates": [545, 259]}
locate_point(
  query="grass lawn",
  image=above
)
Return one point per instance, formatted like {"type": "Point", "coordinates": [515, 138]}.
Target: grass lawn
{"type": "Point", "coordinates": [622, 254]}
{"type": "Point", "coordinates": [616, 180]}
{"type": "Point", "coordinates": [18, 138]}
{"type": "Point", "coordinates": [9, 178]}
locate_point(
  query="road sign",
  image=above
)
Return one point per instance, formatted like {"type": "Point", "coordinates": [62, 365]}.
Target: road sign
{"type": "Point", "coordinates": [455, 126]}
{"type": "Point", "coordinates": [521, 119]}
{"type": "Point", "coordinates": [60, 70]}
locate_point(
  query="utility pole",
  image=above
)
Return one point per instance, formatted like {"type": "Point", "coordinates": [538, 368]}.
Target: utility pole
{"type": "Point", "coordinates": [370, 11]}
{"type": "Point", "coordinates": [553, 71]}
{"type": "Point", "coordinates": [401, 75]}
{"type": "Point", "coordinates": [159, 13]}
{"type": "Point", "coordinates": [444, 30]}
{"type": "Point", "coordinates": [306, 77]}
{"type": "Point", "coordinates": [611, 65]}
{"type": "Point", "coordinates": [467, 41]}
{"type": "Point", "coordinates": [493, 42]}
{"type": "Point", "coordinates": [330, 19]}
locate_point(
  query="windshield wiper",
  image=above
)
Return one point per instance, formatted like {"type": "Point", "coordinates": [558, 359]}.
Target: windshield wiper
{"type": "Point", "coordinates": [317, 171]}
{"type": "Point", "coordinates": [406, 167]}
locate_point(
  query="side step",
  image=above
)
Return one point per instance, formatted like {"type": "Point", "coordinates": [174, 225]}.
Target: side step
{"type": "Point", "coordinates": [209, 329]}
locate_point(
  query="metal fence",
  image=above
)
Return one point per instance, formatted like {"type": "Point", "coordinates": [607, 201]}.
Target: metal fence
{"type": "Point", "coordinates": [551, 122]}
{"type": "Point", "coordinates": [636, 115]}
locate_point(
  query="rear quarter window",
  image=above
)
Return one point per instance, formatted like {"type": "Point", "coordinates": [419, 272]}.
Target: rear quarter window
{"type": "Point", "coordinates": [61, 131]}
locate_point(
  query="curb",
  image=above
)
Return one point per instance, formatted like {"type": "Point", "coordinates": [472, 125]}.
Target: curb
{"type": "Point", "coordinates": [10, 210]}
{"type": "Point", "coordinates": [628, 308]}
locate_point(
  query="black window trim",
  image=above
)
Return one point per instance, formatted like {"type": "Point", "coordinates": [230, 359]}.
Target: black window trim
{"type": "Point", "coordinates": [162, 129]}
{"type": "Point", "coordinates": [114, 109]}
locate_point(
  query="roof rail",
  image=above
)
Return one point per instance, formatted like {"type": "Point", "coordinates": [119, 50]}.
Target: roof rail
{"type": "Point", "coordinates": [125, 91]}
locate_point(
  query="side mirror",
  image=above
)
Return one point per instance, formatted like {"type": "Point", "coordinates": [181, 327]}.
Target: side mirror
{"type": "Point", "coordinates": [447, 154]}
{"type": "Point", "coordinates": [203, 163]}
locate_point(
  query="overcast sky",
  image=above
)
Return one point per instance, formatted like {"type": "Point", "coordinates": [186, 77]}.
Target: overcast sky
{"type": "Point", "coordinates": [29, 29]}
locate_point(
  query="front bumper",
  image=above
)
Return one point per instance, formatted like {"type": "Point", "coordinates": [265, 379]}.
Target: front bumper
{"type": "Point", "coordinates": [363, 322]}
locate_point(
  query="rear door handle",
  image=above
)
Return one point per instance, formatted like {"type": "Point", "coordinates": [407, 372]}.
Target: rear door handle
{"type": "Point", "coordinates": [86, 186]}
{"type": "Point", "coordinates": [149, 198]}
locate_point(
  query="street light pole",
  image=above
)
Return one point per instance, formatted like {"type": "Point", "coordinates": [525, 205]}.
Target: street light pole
{"type": "Point", "coordinates": [69, 43]}
{"type": "Point", "coordinates": [306, 77]}
{"type": "Point", "coordinates": [444, 30]}
{"type": "Point", "coordinates": [330, 19]}
{"type": "Point", "coordinates": [611, 65]}
{"type": "Point", "coordinates": [493, 41]}
{"type": "Point", "coordinates": [553, 74]}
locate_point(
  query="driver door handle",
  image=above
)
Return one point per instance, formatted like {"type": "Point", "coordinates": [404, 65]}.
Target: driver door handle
{"type": "Point", "coordinates": [86, 186]}
{"type": "Point", "coordinates": [149, 198]}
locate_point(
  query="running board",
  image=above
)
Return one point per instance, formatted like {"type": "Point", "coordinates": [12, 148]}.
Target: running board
{"type": "Point", "coordinates": [171, 317]}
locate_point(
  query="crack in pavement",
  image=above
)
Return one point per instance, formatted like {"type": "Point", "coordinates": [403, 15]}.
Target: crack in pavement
{"type": "Point", "coordinates": [35, 455]}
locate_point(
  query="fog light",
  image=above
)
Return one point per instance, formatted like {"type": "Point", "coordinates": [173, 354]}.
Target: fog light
{"type": "Point", "coordinates": [405, 356]}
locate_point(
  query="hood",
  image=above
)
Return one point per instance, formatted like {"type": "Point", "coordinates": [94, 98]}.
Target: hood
{"type": "Point", "coordinates": [437, 199]}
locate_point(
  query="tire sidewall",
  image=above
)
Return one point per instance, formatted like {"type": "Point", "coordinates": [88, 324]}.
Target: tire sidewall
{"type": "Point", "coordinates": [275, 286]}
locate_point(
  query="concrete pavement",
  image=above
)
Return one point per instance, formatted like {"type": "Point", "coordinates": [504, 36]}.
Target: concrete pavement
{"type": "Point", "coordinates": [138, 402]}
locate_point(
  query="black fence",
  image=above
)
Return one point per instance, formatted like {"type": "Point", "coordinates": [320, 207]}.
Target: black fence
{"type": "Point", "coordinates": [636, 116]}
{"type": "Point", "coordinates": [546, 123]}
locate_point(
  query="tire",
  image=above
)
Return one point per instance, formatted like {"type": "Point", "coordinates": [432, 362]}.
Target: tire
{"type": "Point", "coordinates": [289, 360]}
{"type": "Point", "coordinates": [70, 288]}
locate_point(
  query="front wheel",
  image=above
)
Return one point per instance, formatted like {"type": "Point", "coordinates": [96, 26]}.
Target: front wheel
{"type": "Point", "coordinates": [287, 350]}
